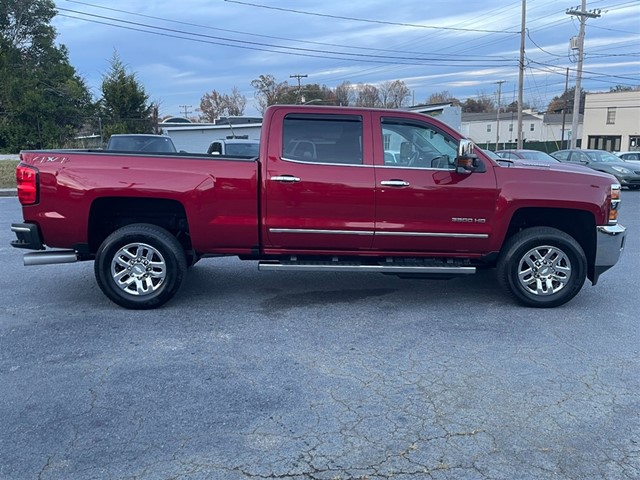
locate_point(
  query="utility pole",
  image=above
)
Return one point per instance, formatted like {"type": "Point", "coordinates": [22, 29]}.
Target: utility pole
{"type": "Point", "coordinates": [186, 110]}
{"type": "Point", "coordinates": [564, 108]}
{"type": "Point", "coordinates": [298, 76]}
{"type": "Point", "coordinates": [582, 16]}
{"type": "Point", "coordinates": [500, 82]}
{"type": "Point", "coordinates": [521, 74]}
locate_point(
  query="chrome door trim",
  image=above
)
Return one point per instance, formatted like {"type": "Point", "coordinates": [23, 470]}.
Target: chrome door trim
{"type": "Point", "coordinates": [321, 232]}
{"type": "Point", "coordinates": [433, 234]}
{"type": "Point", "coordinates": [370, 232]}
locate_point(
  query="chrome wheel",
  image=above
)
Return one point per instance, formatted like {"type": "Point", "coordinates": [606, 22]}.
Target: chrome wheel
{"type": "Point", "coordinates": [544, 270]}
{"type": "Point", "coordinates": [138, 269]}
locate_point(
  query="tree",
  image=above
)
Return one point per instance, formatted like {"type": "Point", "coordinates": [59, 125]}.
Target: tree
{"type": "Point", "coordinates": [124, 105]}
{"type": "Point", "coordinates": [558, 103]}
{"type": "Point", "coordinates": [442, 97]}
{"type": "Point", "coordinates": [271, 92]}
{"type": "Point", "coordinates": [344, 94]}
{"type": "Point", "coordinates": [318, 94]}
{"type": "Point", "coordinates": [212, 106]}
{"type": "Point", "coordinates": [393, 94]}
{"type": "Point", "coordinates": [236, 103]}
{"type": "Point", "coordinates": [43, 102]}
{"type": "Point", "coordinates": [513, 107]}
{"type": "Point", "coordinates": [368, 96]}
{"type": "Point", "coordinates": [482, 104]}
{"type": "Point", "coordinates": [623, 88]}
{"type": "Point", "coordinates": [215, 105]}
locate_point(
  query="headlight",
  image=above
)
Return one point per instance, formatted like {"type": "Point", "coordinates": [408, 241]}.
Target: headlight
{"type": "Point", "coordinates": [622, 170]}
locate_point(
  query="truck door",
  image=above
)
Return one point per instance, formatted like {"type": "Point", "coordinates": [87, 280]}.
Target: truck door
{"type": "Point", "coordinates": [422, 203]}
{"type": "Point", "coordinates": [318, 191]}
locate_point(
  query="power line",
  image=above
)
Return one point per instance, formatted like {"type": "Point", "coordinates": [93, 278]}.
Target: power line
{"type": "Point", "coordinates": [224, 41]}
{"type": "Point", "coordinates": [253, 34]}
{"type": "Point", "coordinates": [355, 19]}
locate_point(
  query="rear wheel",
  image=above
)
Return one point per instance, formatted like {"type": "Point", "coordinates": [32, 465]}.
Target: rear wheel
{"type": "Point", "coordinates": [140, 266]}
{"type": "Point", "coordinates": [542, 267]}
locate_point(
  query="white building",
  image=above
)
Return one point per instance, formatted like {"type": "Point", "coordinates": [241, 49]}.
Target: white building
{"type": "Point", "coordinates": [446, 112]}
{"type": "Point", "coordinates": [196, 137]}
{"type": "Point", "coordinates": [536, 127]}
{"type": "Point", "coordinates": [612, 121]}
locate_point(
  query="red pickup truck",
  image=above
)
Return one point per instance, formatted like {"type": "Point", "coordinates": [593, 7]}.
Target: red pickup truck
{"type": "Point", "coordinates": [333, 189]}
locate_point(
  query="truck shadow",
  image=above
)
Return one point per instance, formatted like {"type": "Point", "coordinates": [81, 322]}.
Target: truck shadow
{"type": "Point", "coordinates": [232, 281]}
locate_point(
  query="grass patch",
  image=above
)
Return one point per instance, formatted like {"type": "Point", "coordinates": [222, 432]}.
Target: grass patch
{"type": "Point", "coordinates": [8, 173]}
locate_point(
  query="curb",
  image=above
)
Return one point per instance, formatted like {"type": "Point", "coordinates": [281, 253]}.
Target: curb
{"type": "Point", "coordinates": [8, 192]}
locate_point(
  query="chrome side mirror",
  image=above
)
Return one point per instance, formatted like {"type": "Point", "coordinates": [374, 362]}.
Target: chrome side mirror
{"type": "Point", "coordinates": [466, 161]}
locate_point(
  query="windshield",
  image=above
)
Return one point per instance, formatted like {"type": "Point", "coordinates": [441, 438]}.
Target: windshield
{"type": "Point", "coordinates": [243, 149]}
{"type": "Point", "coordinates": [603, 157]}
{"type": "Point", "coordinates": [540, 156]}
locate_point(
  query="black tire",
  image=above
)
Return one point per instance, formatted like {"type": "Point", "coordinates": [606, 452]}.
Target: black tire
{"type": "Point", "coordinates": [542, 267]}
{"type": "Point", "coordinates": [140, 266]}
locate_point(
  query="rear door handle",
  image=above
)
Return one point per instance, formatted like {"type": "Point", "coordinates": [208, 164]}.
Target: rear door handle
{"type": "Point", "coordinates": [394, 183]}
{"type": "Point", "coordinates": [285, 179]}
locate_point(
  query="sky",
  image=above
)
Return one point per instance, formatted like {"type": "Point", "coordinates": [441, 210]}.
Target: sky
{"type": "Point", "coordinates": [182, 49]}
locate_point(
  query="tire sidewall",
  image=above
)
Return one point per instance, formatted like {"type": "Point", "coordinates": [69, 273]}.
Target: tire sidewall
{"type": "Point", "coordinates": [523, 242]}
{"type": "Point", "coordinates": [158, 238]}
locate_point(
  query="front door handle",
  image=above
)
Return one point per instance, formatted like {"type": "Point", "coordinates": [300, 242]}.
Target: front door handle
{"type": "Point", "coordinates": [285, 179]}
{"type": "Point", "coordinates": [394, 183]}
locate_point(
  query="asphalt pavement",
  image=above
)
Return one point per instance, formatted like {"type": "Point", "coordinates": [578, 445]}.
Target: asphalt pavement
{"type": "Point", "coordinates": [273, 375]}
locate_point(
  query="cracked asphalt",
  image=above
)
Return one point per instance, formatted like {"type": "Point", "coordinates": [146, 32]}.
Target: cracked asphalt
{"type": "Point", "coordinates": [271, 375]}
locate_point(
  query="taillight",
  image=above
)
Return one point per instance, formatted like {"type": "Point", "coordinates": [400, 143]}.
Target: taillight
{"type": "Point", "coordinates": [27, 182]}
{"type": "Point", "coordinates": [615, 204]}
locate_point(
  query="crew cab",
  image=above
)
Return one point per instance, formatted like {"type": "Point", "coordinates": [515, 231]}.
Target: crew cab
{"type": "Point", "coordinates": [323, 195]}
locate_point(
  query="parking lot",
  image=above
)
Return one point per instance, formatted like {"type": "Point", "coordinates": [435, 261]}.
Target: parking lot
{"type": "Point", "coordinates": [273, 375]}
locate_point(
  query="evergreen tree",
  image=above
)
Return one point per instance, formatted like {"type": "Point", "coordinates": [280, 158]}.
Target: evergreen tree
{"type": "Point", "coordinates": [43, 102]}
{"type": "Point", "coordinates": [124, 106]}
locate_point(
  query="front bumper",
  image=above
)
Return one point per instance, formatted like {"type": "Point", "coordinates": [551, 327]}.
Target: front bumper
{"type": "Point", "coordinates": [610, 242]}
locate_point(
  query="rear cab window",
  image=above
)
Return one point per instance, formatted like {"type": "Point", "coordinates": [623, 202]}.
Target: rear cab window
{"type": "Point", "coordinates": [323, 139]}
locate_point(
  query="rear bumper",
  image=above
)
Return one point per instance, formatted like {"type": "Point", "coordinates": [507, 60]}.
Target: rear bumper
{"type": "Point", "coordinates": [28, 236]}
{"type": "Point", "coordinates": [610, 244]}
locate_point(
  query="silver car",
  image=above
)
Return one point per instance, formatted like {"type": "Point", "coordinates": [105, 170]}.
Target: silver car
{"type": "Point", "coordinates": [628, 174]}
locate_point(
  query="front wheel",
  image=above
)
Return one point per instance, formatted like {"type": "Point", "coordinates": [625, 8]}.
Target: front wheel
{"type": "Point", "coordinates": [542, 267]}
{"type": "Point", "coordinates": [140, 266]}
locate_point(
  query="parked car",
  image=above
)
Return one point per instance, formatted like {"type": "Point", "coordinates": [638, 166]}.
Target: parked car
{"type": "Point", "coordinates": [141, 143]}
{"type": "Point", "coordinates": [235, 147]}
{"type": "Point", "coordinates": [630, 156]}
{"type": "Point", "coordinates": [627, 174]}
{"type": "Point", "coordinates": [535, 155]}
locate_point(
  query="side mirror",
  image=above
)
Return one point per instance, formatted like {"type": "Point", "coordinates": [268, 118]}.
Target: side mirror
{"type": "Point", "coordinates": [466, 161]}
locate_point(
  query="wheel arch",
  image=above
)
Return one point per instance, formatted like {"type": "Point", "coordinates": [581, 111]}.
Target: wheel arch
{"type": "Point", "coordinates": [580, 224]}
{"type": "Point", "coordinates": [108, 214]}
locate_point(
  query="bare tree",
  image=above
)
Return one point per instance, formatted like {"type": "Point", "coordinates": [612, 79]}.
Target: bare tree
{"type": "Point", "coordinates": [442, 97]}
{"type": "Point", "coordinates": [236, 103]}
{"type": "Point", "coordinates": [215, 105]}
{"type": "Point", "coordinates": [212, 105]}
{"type": "Point", "coordinates": [269, 91]}
{"type": "Point", "coordinates": [394, 93]}
{"type": "Point", "coordinates": [344, 94]}
{"type": "Point", "coordinates": [368, 96]}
